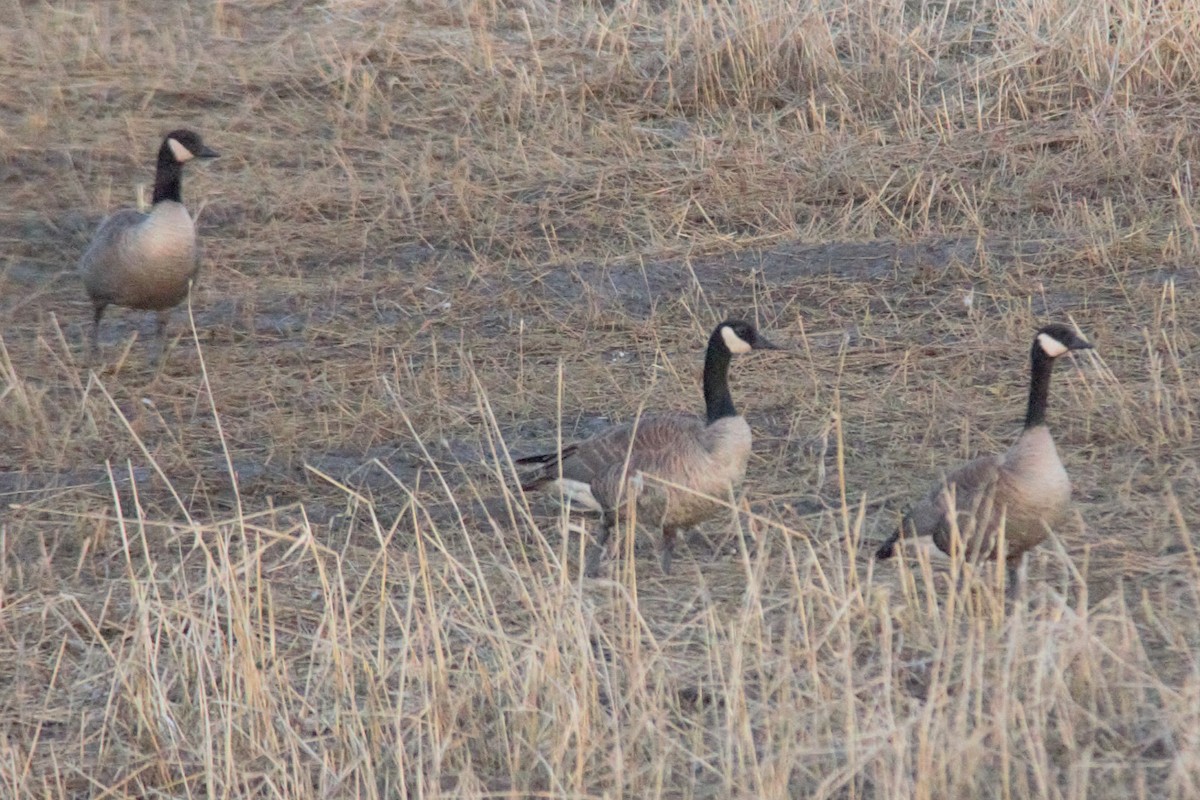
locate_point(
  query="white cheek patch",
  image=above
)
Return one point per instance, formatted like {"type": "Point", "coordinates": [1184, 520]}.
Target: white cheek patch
{"type": "Point", "coordinates": [180, 152]}
{"type": "Point", "coordinates": [735, 343]}
{"type": "Point", "coordinates": [1051, 346]}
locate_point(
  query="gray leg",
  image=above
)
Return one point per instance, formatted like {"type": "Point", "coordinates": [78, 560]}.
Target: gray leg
{"type": "Point", "coordinates": [97, 313]}
{"type": "Point", "coordinates": [592, 568]}
{"type": "Point", "coordinates": [1014, 577]}
{"type": "Point", "coordinates": [160, 334]}
{"type": "Point", "coordinates": [668, 548]}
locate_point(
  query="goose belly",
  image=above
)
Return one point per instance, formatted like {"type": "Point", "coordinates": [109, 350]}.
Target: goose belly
{"type": "Point", "coordinates": [1024, 528]}
{"type": "Point", "coordinates": [1041, 504]}
{"type": "Point", "coordinates": [157, 290]}
{"type": "Point", "coordinates": [1039, 487]}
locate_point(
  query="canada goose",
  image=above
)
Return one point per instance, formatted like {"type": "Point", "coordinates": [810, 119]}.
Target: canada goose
{"type": "Point", "coordinates": [1026, 489]}
{"type": "Point", "coordinates": [695, 460]}
{"type": "Point", "coordinates": [147, 261]}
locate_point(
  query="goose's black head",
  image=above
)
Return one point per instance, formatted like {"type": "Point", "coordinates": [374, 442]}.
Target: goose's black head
{"type": "Point", "coordinates": [1056, 339]}
{"type": "Point", "coordinates": [1051, 342]}
{"type": "Point", "coordinates": [731, 336]}
{"type": "Point", "coordinates": [183, 145]}
{"type": "Point", "coordinates": [739, 336]}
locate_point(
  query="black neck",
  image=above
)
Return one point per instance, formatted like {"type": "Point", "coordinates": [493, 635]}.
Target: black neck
{"type": "Point", "coordinates": [168, 176]}
{"type": "Point", "coordinates": [717, 400]}
{"type": "Point", "coordinates": [1039, 386]}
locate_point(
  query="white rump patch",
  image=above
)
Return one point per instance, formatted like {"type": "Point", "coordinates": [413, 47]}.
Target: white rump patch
{"type": "Point", "coordinates": [579, 493]}
{"type": "Point", "coordinates": [1051, 346]}
{"type": "Point", "coordinates": [735, 343]}
{"type": "Point", "coordinates": [180, 152]}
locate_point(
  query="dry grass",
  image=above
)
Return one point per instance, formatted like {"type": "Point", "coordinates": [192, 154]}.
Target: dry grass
{"type": "Point", "coordinates": [293, 565]}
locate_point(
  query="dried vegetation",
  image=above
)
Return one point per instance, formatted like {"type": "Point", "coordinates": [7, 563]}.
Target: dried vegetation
{"type": "Point", "coordinates": [293, 565]}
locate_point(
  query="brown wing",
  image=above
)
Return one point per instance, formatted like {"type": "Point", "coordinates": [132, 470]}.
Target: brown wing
{"type": "Point", "coordinates": [100, 264]}
{"type": "Point", "coordinates": [662, 443]}
{"type": "Point", "coordinates": [973, 489]}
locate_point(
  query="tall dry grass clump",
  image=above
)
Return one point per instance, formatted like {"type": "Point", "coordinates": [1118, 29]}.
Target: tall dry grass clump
{"type": "Point", "coordinates": [295, 563]}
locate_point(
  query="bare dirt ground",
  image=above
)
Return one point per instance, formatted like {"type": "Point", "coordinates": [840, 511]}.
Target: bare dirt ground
{"type": "Point", "coordinates": [295, 563]}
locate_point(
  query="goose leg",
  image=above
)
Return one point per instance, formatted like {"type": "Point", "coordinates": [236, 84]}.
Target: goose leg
{"type": "Point", "coordinates": [94, 339]}
{"type": "Point", "coordinates": [592, 567]}
{"type": "Point", "coordinates": [160, 334]}
{"type": "Point", "coordinates": [1014, 579]}
{"type": "Point", "coordinates": [668, 548]}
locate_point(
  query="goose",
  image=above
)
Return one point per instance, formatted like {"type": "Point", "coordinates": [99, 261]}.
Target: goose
{"type": "Point", "coordinates": [1025, 490]}
{"type": "Point", "coordinates": [695, 460]}
{"type": "Point", "coordinates": [147, 261]}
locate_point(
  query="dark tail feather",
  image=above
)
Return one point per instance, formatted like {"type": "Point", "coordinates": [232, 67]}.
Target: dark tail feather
{"type": "Point", "coordinates": [547, 470]}
{"type": "Point", "coordinates": [888, 548]}
{"type": "Point", "coordinates": [546, 458]}
{"type": "Point", "coordinates": [534, 484]}
{"type": "Point", "coordinates": [540, 458]}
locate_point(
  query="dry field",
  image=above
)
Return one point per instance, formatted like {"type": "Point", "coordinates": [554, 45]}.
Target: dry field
{"type": "Point", "coordinates": [294, 564]}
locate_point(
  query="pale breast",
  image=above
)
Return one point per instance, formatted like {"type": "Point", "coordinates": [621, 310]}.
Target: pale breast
{"type": "Point", "coordinates": [728, 442]}
{"type": "Point", "coordinates": [1035, 475]}
{"type": "Point", "coordinates": [160, 258]}
{"type": "Point", "coordinates": [168, 235]}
